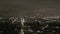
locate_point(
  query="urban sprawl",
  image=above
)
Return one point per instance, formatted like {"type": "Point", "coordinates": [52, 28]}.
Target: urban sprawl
{"type": "Point", "coordinates": [30, 25]}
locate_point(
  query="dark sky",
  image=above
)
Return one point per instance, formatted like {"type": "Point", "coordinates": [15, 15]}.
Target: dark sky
{"type": "Point", "coordinates": [29, 7]}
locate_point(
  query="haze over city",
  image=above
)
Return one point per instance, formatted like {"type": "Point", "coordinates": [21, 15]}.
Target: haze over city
{"type": "Point", "coordinates": [29, 7]}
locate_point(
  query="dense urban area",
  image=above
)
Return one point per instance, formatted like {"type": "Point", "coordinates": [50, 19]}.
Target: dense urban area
{"type": "Point", "coordinates": [30, 25]}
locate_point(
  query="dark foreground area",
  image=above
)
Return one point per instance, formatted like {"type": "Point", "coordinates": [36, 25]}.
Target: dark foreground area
{"type": "Point", "coordinates": [31, 26]}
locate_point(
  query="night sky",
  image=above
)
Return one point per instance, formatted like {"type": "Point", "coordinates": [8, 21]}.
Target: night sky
{"type": "Point", "coordinates": [29, 7]}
